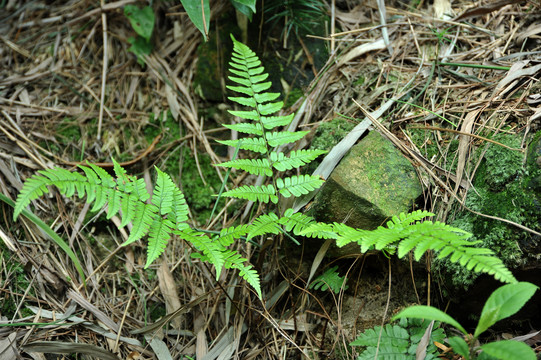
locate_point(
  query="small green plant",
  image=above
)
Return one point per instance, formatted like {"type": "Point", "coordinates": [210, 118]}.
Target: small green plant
{"type": "Point", "coordinates": [502, 303]}
{"type": "Point", "coordinates": [167, 212]}
{"type": "Point", "coordinates": [142, 21]}
{"type": "Point", "coordinates": [298, 14]}
{"type": "Point", "coordinates": [330, 279]}
{"type": "Point", "coordinates": [399, 341]}
{"type": "Point", "coordinates": [199, 12]}
{"type": "Point", "coordinates": [407, 233]}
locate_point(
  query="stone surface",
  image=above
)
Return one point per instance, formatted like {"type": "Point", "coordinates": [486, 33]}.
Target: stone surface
{"type": "Point", "coordinates": [373, 182]}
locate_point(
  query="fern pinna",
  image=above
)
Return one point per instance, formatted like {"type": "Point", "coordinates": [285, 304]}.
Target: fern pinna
{"type": "Point", "coordinates": [164, 216]}
{"type": "Point", "coordinates": [407, 233]}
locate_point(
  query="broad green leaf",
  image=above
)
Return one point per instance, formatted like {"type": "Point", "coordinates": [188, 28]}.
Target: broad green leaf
{"type": "Point", "coordinates": [199, 16]}
{"type": "Point", "coordinates": [142, 20]}
{"type": "Point", "coordinates": [248, 3]}
{"type": "Point", "coordinates": [460, 346]}
{"type": "Point", "coordinates": [504, 302]}
{"type": "Point", "coordinates": [509, 350]}
{"type": "Point", "coordinates": [429, 313]}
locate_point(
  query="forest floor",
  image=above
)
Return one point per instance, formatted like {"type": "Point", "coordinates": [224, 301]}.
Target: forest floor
{"type": "Point", "coordinates": [466, 74]}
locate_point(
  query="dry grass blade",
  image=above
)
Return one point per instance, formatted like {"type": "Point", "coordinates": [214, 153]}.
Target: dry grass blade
{"type": "Point", "coordinates": [58, 347]}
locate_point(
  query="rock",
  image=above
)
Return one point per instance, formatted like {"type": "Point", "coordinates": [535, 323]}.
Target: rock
{"type": "Point", "coordinates": [373, 182]}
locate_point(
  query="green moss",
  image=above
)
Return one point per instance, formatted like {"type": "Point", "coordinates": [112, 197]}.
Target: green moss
{"type": "Point", "coordinates": [294, 95]}
{"type": "Point", "coordinates": [16, 281]}
{"type": "Point", "coordinates": [330, 133]}
{"type": "Point", "coordinates": [501, 190]}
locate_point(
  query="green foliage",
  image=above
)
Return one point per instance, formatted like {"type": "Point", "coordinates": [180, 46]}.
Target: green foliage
{"type": "Point", "coordinates": [502, 303]}
{"type": "Point", "coordinates": [406, 233]}
{"type": "Point", "coordinates": [500, 190]}
{"type": "Point", "coordinates": [262, 120]}
{"type": "Point", "coordinates": [330, 279]}
{"type": "Point", "coordinates": [300, 14]}
{"type": "Point", "coordinates": [199, 12]}
{"type": "Point", "coordinates": [159, 220]}
{"type": "Point", "coordinates": [399, 341]}
{"type": "Point", "coordinates": [503, 165]}
{"type": "Point", "coordinates": [142, 21]}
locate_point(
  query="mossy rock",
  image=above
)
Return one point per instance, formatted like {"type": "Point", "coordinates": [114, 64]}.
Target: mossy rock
{"type": "Point", "coordinates": [373, 182]}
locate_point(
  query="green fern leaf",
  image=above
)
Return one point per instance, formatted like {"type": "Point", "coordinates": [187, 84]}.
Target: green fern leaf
{"type": "Point", "coordinates": [298, 185]}
{"type": "Point", "coordinates": [244, 101]}
{"type": "Point", "coordinates": [254, 193]}
{"type": "Point", "coordinates": [270, 108]}
{"type": "Point", "coordinates": [229, 235]}
{"type": "Point", "coordinates": [233, 260]}
{"type": "Point", "coordinates": [128, 204]}
{"type": "Point", "coordinates": [264, 224]}
{"type": "Point", "coordinates": [271, 122]}
{"type": "Point", "coordinates": [159, 234]}
{"type": "Point", "coordinates": [252, 144]}
{"type": "Point", "coordinates": [245, 114]}
{"type": "Point", "coordinates": [253, 166]}
{"type": "Point", "coordinates": [162, 197]}
{"type": "Point", "coordinates": [144, 217]}
{"type": "Point", "coordinates": [330, 279]}
{"type": "Point", "coordinates": [179, 209]}
{"type": "Point", "coordinates": [246, 90]}
{"type": "Point", "coordinates": [393, 335]}
{"type": "Point", "coordinates": [212, 250]}
{"type": "Point", "coordinates": [295, 160]}
{"type": "Point", "coordinates": [347, 234]}
{"type": "Point", "coordinates": [266, 97]}
{"type": "Point", "coordinates": [320, 230]}
{"type": "Point", "coordinates": [33, 188]}
{"type": "Point", "coordinates": [295, 221]}
{"type": "Point", "coordinates": [246, 128]}
{"type": "Point", "coordinates": [278, 138]}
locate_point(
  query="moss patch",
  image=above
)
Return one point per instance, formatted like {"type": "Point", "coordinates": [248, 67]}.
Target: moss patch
{"type": "Point", "coordinates": [501, 189]}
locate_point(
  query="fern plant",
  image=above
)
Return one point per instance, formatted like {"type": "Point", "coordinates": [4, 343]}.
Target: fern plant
{"type": "Point", "coordinates": [159, 220]}
{"type": "Point", "coordinates": [407, 233]}
{"type": "Point", "coordinates": [330, 279]}
{"type": "Point", "coordinates": [263, 140]}
{"type": "Point", "coordinates": [399, 341]}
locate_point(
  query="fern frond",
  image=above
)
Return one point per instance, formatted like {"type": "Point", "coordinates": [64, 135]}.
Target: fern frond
{"type": "Point", "coordinates": [452, 243]}
{"type": "Point", "coordinates": [246, 128]}
{"type": "Point", "coordinates": [278, 138]}
{"type": "Point", "coordinates": [295, 221]}
{"type": "Point", "coordinates": [330, 279]}
{"type": "Point", "coordinates": [253, 166]}
{"type": "Point", "coordinates": [298, 185]}
{"type": "Point", "coordinates": [263, 193]}
{"type": "Point", "coordinates": [233, 260]}
{"type": "Point", "coordinates": [295, 160]}
{"type": "Point", "coordinates": [264, 224]}
{"type": "Point", "coordinates": [253, 144]}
